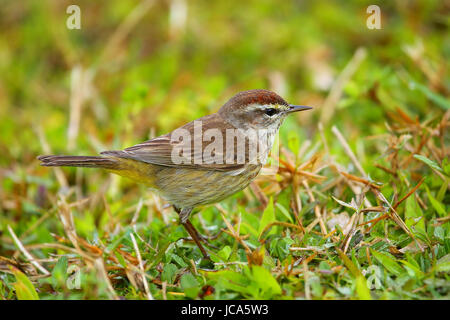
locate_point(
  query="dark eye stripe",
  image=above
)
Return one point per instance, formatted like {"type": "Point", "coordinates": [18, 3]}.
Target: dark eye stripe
{"type": "Point", "coordinates": [270, 111]}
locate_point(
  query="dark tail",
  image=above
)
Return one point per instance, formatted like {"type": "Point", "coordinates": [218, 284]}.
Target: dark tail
{"type": "Point", "coordinates": [79, 161]}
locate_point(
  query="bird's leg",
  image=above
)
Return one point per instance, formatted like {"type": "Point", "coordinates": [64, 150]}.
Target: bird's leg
{"type": "Point", "coordinates": [201, 237]}
{"type": "Point", "coordinates": [184, 216]}
{"type": "Point", "coordinates": [184, 219]}
{"type": "Point", "coordinates": [194, 235]}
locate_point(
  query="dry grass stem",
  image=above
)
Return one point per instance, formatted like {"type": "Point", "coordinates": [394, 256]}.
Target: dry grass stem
{"type": "Point", "coordinates": [141, 267]}
{"type": "Point", "coordinates": [25, 252]}
{"type": "Point", "coordinates": [329, 106]}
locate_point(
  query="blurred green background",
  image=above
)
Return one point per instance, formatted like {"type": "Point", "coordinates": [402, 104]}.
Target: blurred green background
{"type": "Point", "coordinates": [138, 69]}
{"type": "Point", "coordinates": [168, 62]}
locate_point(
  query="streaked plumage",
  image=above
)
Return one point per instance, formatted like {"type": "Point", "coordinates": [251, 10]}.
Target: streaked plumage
{"type": "Point", "coordinates": [190, 184]}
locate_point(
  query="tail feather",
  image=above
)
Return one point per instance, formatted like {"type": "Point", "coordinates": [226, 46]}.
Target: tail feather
{"type": "Point", "coordinates": [79, 161]}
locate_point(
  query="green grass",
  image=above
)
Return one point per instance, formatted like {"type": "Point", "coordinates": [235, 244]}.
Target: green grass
{"type": "Point", "coordinates": [359, 208]}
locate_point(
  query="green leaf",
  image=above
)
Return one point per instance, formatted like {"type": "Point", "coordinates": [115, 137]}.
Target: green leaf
{"type": "Point", "coordinates": [230, 280]}
{"type": "Point", "coordinates": [436, 98]}
{"type": "Point", "coordinates": [439, 232]}
{"type": "Point", "coordinates": [263, 280]}
{"type": "Point", "coordinates": [224, 253]}
{"type": "Point", "coordinates": [267, 218]}
{"type": "Point", "coordinates": [361, 288]}
{"type": "Point", "coordinates": [349, 264]}
{"type": "Point", "coordinates": [59, 272]}
{"type": "Point", "coordinates": [413, 213]}
{"type": "Point", "coordinates": [412, 270]}
{"type": "Point", "coordinates": [429, 162]}
{"type": "Point", "coordinates": [361, 282]}
{"type": "Point", "coordinates": [188, 281]}
{"type": "Point", "coordinates": [117, 241]}
{"type": "Point", "coordinates": [388, 262]}
{"type": "Point", "coordinates": [443, 189]}
{"type": "Point", "coordinates": [121, 259]}
{"type": "Point", "coordinates": [169, 272]}
{"type": "Point", "coordinates": [323, 265]}
{"type": "Point", "coordinates": [279, 247]}
{"type": "Point", "coordinates": [293, 141]}
{"type": "Point", "coordinates": [189, 285]}
{"type": "Point", "coordinates": [178, 260]}
{"type": "Point", "coordinates": [446, 166]}
{"type": "Point", "coordinates": [284, 212]}
{"type": "Point", "coordinates": [23, 286]}
{"type": "Point", "coordinates": [255, 282]}
{"type": "Point", "coordinates": [436, 204]}
{"type": "Point", "coordinates": [443, 264]}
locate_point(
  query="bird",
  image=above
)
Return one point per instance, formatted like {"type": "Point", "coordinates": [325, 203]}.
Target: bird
{"type": "Point", "coordinates": [202, 162]}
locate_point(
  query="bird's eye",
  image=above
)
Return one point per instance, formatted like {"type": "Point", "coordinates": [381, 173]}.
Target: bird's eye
{"type": "Point", "coordinates": [270, 111]}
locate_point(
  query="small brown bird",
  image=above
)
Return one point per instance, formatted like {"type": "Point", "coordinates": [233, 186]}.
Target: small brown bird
{"type": "Point", "coordinates": [204, 161]}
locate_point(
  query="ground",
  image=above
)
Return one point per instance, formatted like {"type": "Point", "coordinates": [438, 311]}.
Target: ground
{"type": "Point", "coordinates": [359, 206]}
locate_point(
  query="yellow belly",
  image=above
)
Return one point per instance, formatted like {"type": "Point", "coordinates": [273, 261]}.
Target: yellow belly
{"type": "Point", "coordinates": [187, 187]}
{"type": "Point", "coordinates": [192, 187]}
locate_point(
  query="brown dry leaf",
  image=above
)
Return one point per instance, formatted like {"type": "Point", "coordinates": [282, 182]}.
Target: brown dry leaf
{"type": "Point", "coordinates": [412, 247]}
{"type": "Point", "coordinates": [256, 257]}
{"type": "Point", "coordinates": [342, 220]}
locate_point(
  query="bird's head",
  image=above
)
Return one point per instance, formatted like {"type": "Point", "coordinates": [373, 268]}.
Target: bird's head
{"type": "Point", "coordinates": [257, 109]}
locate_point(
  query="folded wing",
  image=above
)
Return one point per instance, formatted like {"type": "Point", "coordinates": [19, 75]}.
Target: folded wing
{"type": "Point", "coordinates": [166, 150]}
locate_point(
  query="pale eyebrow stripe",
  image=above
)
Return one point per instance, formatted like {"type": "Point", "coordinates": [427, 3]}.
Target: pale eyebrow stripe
{"type": "Point", "coordinates": [255, 106]}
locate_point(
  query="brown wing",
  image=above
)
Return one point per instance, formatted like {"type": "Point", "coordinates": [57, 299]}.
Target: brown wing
{"type": "Point", "coordinates": [170, 149]}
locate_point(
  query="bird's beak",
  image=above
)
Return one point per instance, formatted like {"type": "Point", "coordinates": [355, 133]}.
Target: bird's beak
{"type": "Point", "coordinates": [293, 108]}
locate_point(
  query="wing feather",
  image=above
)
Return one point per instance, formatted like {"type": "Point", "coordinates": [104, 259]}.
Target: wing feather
{"type": "Point", "coordinates": [160, 150]}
